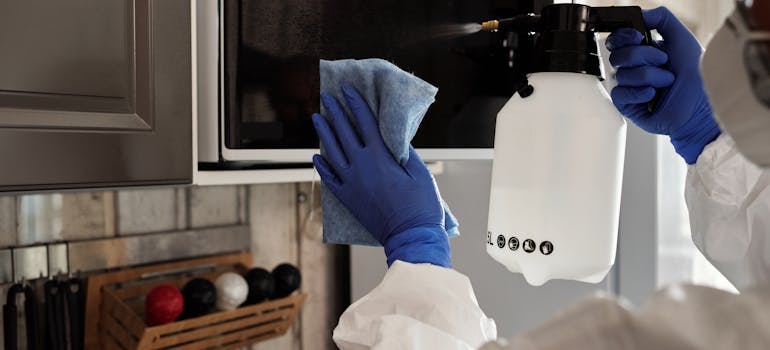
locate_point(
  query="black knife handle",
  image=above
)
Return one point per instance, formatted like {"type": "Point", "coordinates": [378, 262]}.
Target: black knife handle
{"type": "Point", "coordinates": [76, 306]}
{"type": "Point", "coordinates": [10, 327]}
{"type": "Point", "coordinates": [54, 311]}
{"type": "Point", "coordinates": [30, 311]}
{"type": "Point", "coordinates": [10, 317]}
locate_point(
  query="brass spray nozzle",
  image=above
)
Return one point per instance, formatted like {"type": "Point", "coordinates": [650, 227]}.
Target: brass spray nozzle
{"type": "Point", "coordinates": [519, 23]}
{"type": "Point", "coordinates": [490, 26]}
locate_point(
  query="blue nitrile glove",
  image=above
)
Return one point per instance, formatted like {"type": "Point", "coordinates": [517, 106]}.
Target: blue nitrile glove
{"type": "Point", "coordinates": [683, 111]}
{"type": "Point", "coordinates": [399, 205]}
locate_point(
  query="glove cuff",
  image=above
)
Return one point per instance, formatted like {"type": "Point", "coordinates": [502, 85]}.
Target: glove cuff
{"type": "Point", "coordinates": [420, 245]}
{"type": "Point", "coordinates": [692, 137]}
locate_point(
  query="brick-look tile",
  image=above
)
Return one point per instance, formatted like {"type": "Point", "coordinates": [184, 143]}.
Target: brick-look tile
{"type": "Point", "coordinates": [7, 221]}
{"type": "Point", "coordinates": [68, 216]}
{"type": "Point", "coordinates": [319, 275]}
{"type": "Point", "coordinates": [243, 204]}
{"type": "Point", "coordinates": [181, 208]}
{"type": "Point", "coordinates": [150, 210]}
{"type": "Point", "coordinates": [213, 206]}
{"type": "Point", "coordinates": [83, 215]}
{"type": "Point", "coordinates": [273, 221]}
{"type": "Point", "coordinates": [39, 218]}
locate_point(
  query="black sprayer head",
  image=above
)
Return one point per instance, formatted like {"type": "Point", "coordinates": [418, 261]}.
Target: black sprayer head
{"type": "Point", "coordinates": [566, 35]}
{"type": "Point", "coordinates": [565, 42]}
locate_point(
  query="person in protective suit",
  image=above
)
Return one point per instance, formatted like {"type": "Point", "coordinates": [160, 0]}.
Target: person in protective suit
{"type": "Point", "coordinates": [423, 304]}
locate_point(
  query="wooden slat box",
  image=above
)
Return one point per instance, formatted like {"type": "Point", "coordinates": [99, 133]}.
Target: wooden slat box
{"type": "Point", "coordinates": [115, 310]}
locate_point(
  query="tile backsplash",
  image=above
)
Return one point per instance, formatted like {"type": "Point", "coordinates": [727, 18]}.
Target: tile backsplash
{"type": "Point", "coordinates": [72, 216]}
{"type": "Point", "coordinates": [41, 218]}
{"type": "Point", "coordinates": [7, 221]}
{"type": "Point", "coordinates": [159, 210]}
{"type": "Point", "coordinates": [272, 211]}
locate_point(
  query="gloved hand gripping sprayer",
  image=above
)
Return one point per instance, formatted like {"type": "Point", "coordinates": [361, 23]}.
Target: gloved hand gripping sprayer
{"type": "Point", "coordinates": [559, 150]}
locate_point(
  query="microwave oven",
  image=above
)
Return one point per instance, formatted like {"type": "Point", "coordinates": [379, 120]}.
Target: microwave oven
{"type": "Point", "coordinates": [257, 71]}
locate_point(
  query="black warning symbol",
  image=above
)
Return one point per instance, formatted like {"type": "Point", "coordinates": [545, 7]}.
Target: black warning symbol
{"type": "Point", "coordinates": [513, 243]}
{"type": "Point", "coordinates": [501, 241]}
{"type": "Point", "coordinates": [529, 246]}
{"type": "Point", "coordinates": [546, 248]}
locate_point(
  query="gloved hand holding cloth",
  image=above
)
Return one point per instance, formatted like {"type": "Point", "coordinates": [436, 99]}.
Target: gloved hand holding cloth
{"type": "Point", "coordinates": [683, 111]}
{"type": "Point", "coordinates": [398, 204]}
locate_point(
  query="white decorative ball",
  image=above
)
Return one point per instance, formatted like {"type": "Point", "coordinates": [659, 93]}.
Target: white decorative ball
{"type": "Point", "coordinates": [232, 291]}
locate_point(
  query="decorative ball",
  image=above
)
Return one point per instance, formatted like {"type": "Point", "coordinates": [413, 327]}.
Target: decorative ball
{"type": "Point", "coordinates": [200, 298]}
{"type": "Point", "coordinates": [232, 291]}
{"type": "Point", "coordinates": [261, 285]}
{"type": "Point", "coordinates": [287, 280]}
{"type": "Point", "coordinates": [163, 305]}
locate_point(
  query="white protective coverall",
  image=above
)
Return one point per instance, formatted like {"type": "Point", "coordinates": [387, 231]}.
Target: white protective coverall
{"type": "Point", "coordinates": [429, 307]}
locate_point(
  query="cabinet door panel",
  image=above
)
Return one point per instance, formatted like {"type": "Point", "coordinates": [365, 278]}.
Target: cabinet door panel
{"type": "Point", "coordinates": [52, 53]}
{"type": "Point", "coordinates": [95, 93]}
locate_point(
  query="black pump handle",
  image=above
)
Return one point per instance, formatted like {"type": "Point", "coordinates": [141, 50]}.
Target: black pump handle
{"type": "Point", "coordinates": [609, 19]}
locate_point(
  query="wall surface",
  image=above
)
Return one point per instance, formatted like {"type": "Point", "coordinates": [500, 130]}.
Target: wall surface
{"type": "Point", "coordinates": [277, 215]}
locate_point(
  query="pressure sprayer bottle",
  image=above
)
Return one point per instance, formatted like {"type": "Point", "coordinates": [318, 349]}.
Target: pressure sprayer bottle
{"type": "Point", "coordinates": [559, 151]}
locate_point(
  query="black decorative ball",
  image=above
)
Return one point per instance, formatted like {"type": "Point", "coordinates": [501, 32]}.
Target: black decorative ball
{"type": "Point", "coordinates": [200, 298]}
{"type": "Point", "coordinates": [287, 280]}
{"type": "Point", "coordinates": [261, 285]}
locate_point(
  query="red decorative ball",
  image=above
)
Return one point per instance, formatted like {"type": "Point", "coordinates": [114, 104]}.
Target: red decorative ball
{"type": "Point", "coordinates": [163, 305]}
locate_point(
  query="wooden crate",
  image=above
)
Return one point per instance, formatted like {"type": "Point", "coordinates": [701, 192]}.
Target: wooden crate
{"type": "Point", "coordinates": [115, 310]}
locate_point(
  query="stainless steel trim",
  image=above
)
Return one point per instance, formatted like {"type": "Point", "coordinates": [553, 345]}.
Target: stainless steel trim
{"type": "Point", "coordinates": [144, 249]}
{"type": "Point", "coordinates": [30, 262]}
{"type": "Point", "coordinates": [208, 51]}
{"type": "Point", "coordinates": [221, 98]}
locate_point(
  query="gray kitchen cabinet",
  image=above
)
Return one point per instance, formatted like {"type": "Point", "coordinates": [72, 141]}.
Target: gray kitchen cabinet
{"type": "Point", "coordinates": [95, 93]}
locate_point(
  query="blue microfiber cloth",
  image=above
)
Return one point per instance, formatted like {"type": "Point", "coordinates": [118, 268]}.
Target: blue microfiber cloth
{"type": "Point", "coordinates": [399, 100]}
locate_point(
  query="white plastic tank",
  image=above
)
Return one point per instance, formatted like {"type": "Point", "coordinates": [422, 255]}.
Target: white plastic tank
{"type": "Point", "coordinates": [556, 180]}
